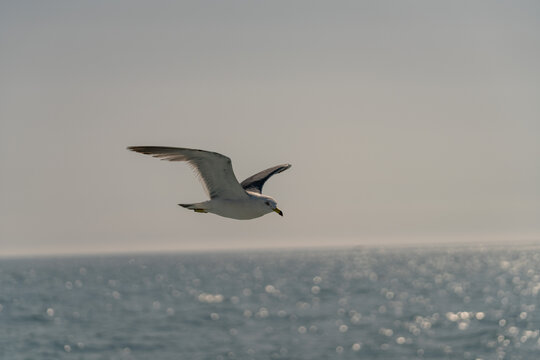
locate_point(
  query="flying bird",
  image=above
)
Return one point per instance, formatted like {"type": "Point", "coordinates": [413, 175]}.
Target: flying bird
{"type": "Point", "coordinates": [228, 198]}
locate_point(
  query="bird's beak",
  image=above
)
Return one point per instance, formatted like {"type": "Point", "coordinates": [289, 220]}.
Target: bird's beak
{"type": "Point", "coordinates": [278, 211]}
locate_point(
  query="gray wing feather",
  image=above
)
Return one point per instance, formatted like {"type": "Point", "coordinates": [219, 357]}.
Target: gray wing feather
{"type": "Point", "coordinates": [256, 182]}
{"type": "Point", "coordinates": [214, 170]}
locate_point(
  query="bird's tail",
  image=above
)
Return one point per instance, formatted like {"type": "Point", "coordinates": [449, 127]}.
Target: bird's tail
{"type": "Point", "coordinates": [197, 207]}
{"type": "Point", "coordinates": [187, 206]}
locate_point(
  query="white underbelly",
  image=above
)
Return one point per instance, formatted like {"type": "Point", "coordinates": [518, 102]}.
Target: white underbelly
{"type": "Point", "coordinates": [237, 209]}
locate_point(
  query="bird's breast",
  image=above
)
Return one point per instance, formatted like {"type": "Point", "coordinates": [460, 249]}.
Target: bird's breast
{"type": "Point", "coordinates": [237, 209]}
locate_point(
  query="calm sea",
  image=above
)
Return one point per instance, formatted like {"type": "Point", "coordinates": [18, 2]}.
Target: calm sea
{"type": "Point", "coordinates": [317, 304]}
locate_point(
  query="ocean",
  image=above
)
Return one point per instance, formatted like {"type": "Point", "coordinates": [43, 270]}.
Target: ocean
{"type": "Point", "coordinates": [360, 303]}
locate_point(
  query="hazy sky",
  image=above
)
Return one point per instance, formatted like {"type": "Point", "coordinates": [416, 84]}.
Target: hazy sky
{"type": "Point", "coordinates": [405, 121]}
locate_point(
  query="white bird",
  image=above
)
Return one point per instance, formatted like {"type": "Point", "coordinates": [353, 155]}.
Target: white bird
{"type": "Point", "coordinates": [228, 198]}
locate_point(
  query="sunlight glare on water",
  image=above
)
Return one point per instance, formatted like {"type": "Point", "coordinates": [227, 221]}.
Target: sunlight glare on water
{"type": "Point", "coordinates": [368, 303]}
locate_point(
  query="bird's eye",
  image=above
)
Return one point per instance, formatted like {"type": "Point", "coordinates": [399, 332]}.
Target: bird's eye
{"type": "Point", "coordinates": [267, 203]}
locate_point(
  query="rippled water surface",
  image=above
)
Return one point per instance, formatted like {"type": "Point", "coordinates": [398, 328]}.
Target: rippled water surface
{"type": "Point", "coordinates": [361, 303]}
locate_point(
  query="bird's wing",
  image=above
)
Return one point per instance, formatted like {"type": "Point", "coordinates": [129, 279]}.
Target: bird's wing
{"type": "Point", "coordinates": [255, 183]}
{"type": "Point", "coordinates": [214, 170]}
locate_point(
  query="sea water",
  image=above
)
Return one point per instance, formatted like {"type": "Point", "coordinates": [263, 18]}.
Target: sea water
{"type": "Point", "coordinates": [304, 304]}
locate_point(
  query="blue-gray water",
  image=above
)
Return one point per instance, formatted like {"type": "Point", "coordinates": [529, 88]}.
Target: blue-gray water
{"type": "Point", "coordinates": [359, 303]}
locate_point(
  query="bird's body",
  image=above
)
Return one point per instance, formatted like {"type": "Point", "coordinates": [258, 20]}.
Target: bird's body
{"type": "Point", "coordinates": [228, 198]}
{"type": "Point", "coordinates": [252, 207]}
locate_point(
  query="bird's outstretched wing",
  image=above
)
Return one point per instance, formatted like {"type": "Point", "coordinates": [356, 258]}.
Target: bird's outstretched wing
{"type": "Point", "coordinates": [214, 170]}
{"type": "Point", "coordinates": [255, 182]}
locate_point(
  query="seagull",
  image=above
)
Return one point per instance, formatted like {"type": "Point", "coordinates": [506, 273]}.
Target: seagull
{"type": "Point", "coordinates": [228, 198]}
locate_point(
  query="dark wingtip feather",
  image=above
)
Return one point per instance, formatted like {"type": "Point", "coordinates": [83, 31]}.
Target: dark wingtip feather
{"type": "Point", "coordinates": [149, 150]}
{"type": "Point", "coordinates": [140, 149]}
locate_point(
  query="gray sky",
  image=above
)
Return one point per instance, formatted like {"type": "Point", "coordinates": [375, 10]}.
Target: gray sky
{"type": "Point", "coordinates": [405, 121]}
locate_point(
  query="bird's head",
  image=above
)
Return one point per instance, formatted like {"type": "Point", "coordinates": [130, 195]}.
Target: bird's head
{"type": "Point", "coordinates": [272, 205]}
